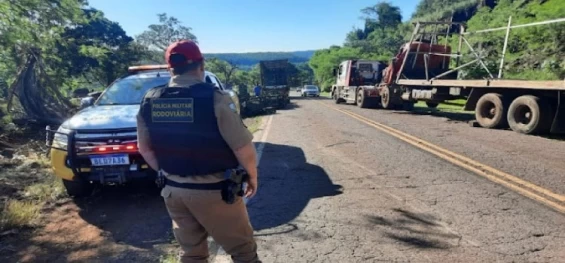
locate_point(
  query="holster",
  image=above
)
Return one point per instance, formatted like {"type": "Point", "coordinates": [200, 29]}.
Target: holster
{"type": "Point", "coordinates": [233, 185]}
{"type": "Point", "coordinates": [160, 180]}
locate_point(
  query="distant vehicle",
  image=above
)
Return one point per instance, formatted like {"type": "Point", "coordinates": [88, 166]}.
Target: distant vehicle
{"type": "Point", "coordinates": [299, 89]}
{"type": "Point", "coordinates": [274, 81]}
{"type": "Point", "coordinates": [310, 90]}
{"type": "Point", "coordinates": [99, 143]}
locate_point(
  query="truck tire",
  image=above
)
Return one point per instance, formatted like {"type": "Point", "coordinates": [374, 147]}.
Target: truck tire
{"type": "Point", "coordinates": [529, 115]}
{"type": "Point", "coordinates": [491, 110]}
{"type": "Point", "coordinates": [432, 105]}
{"type": "Point", "coordinates": [385, 98]}
{"type": "Point", "coordinates": [336, 98]}
{"type": "Point", "coordinates": [362, 102]}
{"type": "Point", "coordinates": [78, 188]}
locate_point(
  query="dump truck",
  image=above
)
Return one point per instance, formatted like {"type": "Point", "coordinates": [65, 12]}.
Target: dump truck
{"type": "Point", "coordinates": [421, 71]}
{"type": "Point", "coordinates": [274, 81]}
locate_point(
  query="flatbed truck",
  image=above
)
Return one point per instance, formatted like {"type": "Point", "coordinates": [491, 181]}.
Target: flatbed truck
{"type": "Point", "coordinates": [420, 72]}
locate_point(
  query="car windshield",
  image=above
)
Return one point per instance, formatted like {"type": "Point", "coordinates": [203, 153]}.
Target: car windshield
{"type": "Point", "coordinates": [311, 88]}
{"type": "Point", "coordinates": [131, 89]}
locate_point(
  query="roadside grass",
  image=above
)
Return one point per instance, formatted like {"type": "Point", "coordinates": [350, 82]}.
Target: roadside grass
{"type": "Point", "coordinates": [28, 187]}
{"type": "Point", "coordinates": [453, 106]}
{"type": "Point", "coordinates": [325, 94]}
{"type": "Point", "coordinates": [18, 214]}
{"type": "Point", "coordinates": [253, 123]}
{"type": "Point", "coordinates": [171, 257]}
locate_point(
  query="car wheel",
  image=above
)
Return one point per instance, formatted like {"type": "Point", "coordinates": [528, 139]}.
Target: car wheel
{"type": "Point", "coordinates": [78, 188]}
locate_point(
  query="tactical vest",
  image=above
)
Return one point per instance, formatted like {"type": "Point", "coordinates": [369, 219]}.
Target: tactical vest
{"type": "Point", "coordinates": [183, 131]}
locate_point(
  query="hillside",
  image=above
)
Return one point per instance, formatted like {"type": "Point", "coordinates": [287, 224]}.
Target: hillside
{"type": "Point", "coordinates": [461, 10]}
{"type": "Point", "coordinates": [251, 59]}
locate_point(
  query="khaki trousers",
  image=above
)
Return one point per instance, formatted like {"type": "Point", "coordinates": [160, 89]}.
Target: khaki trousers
{"type": "Point", "coordinates": [199, 213]}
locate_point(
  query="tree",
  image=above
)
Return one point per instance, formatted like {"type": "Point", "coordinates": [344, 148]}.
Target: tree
{"type": "Point", "coordinates": [223, 69]}
{"type": "Point", "coordinates": [98, 50]}
{"type": "Point", "coordinates": [380, 16]}
{"type": "Point", "coordinates": [29, 30]}
{"type": "Point", "coordinates": [380, 20]}
{"type": "Point", "coordinates": [160, 36]}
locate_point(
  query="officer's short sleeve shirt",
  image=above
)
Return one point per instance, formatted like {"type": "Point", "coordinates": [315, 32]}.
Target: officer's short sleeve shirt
{"type": "Point", "coordinates": [229, 122]}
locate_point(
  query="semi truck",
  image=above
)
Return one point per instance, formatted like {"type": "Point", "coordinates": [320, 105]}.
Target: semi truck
{"type": "Point", "coordinates": [274, 81]}
{"type": "Point", "coordinates": [421, 71]}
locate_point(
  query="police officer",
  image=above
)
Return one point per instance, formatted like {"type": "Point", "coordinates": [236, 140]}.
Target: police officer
{"type": "Point", "coordinates": [191, 133]}
{"type": "Point", "coordinates": [257, 90]}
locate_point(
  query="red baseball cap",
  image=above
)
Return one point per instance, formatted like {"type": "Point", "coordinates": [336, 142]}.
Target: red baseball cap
{"type": "Point", "coordinates": [187, 48]}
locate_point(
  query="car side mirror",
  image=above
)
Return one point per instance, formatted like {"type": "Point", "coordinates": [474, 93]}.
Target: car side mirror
{"type": "Point", "coordinates": [86, 102]}
{"type": "Point", "coordinates": [334, 71]}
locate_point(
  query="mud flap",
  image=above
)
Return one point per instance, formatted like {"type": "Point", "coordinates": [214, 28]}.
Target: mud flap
{"type": "Point", "coordinates": [558, 125]}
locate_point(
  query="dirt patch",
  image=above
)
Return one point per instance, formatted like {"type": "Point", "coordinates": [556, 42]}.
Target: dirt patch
{"type": "Point", "coordinates": [117, 224]}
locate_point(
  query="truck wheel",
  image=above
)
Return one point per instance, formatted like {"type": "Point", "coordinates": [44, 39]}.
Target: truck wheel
{"type": "Point", "coordinates": [490, 111]}
{"type": "Point", "coordinates": [529, 115]}
{"type": "Point", "coordinates": [336, 98]}
{"type": "Point", "coordinates": [385, 98]}
{"type": "Point", "coordinates": [361, 100]}
{"type": "Point", "coordinates": [432, 105]}
{"type": "Point", "coordinates": [78, 188]}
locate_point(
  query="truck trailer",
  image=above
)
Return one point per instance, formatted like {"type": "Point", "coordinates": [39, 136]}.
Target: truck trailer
{"type": "Point", "coordinates": [421, 72]}
{"type": "Point", "coordinates": [274, 80]}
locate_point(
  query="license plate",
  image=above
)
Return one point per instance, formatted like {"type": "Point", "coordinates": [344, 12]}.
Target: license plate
{"type": "Point", "coordinates": [113, 159]}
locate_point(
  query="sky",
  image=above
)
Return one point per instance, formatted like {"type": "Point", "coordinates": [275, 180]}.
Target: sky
{"type": "Point", "coordinates": [236, 26]}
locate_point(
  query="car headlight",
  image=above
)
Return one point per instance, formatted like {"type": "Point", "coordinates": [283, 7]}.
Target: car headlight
{"type": "Point", "coordinates": [61, 139]}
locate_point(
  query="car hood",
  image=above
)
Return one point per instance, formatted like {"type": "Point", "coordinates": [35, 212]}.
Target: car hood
{"type": "Point", "coordinates": [104, 117]}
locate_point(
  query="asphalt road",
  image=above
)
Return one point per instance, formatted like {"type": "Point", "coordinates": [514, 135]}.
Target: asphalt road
{"type": "Point", "coordinates": [334, 189]}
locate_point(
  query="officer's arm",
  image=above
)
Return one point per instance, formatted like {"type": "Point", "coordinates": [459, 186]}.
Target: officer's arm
{"type": "Point", "coordinates": [143, 144]}
{"type": "Point", "coordinates": [234, 132]}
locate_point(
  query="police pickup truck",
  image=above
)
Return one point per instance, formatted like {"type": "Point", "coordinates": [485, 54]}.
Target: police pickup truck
{"type": "Point", "coordinates": [99, 143]}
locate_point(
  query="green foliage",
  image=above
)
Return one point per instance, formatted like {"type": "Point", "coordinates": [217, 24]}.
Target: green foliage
{"type": "Point", "coordinates": [160, 36]}
{"type": "Point", "coordinates": [324, 61]}
{"type": "Point", "coordinates": [77, 46]}
{"type": "Point", "coordinates": [434, 10]}
{"type": "Point", "coordinates": [535, 53]}
{"type": "Point", "coordinates": [380, 38]}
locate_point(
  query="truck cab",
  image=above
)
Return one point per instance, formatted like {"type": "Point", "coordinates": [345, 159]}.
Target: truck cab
{"type": "Point", "coordinates": [356, 81]}
{"type": "Point", "coordinates": [99, 143]}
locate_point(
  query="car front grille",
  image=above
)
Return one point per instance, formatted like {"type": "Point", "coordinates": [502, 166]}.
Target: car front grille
{"type": "Point", "coordinates": [86, 138]}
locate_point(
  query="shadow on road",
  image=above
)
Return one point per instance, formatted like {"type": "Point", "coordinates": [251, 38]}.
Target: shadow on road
{"type": "Point", "coordinates": [286, 185]}
{"type": "Point", "coordinates": [415, 230]}
{"type": "Point", "coordinates": [133, 214]}
{"type": "Point", "coordinates": [452, 116]}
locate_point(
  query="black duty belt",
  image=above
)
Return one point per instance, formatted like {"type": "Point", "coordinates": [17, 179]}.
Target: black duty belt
{"type": "Point", "coordinates": [211, 186]}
